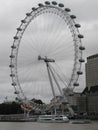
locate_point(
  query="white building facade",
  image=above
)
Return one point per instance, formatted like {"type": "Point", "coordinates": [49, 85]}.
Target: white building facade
{"type": "Point", "coordinates": [92, 71]}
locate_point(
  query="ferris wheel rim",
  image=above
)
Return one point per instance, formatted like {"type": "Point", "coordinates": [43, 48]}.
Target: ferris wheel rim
{"type": "Point", "coordinates": [20, 31]}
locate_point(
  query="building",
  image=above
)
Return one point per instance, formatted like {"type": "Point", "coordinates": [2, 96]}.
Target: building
{"type": "Point", "coordinates": [73, 100]}
{"type": "Point", "coordinates": [91, 90]}
{"type": "Point", "coordinates": [78, 102]}
{"type": "Point", "coordinates": [91, 100]}
{"type": "Point", "coordinates": [92, 71]}
{"type": "Point", "coordinates": [87, 101]}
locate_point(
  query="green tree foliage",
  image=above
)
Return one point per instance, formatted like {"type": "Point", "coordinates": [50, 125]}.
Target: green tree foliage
{"type": "Point", "coordinates": [14, 107]}
{"type": "Point", "coordinates": [10, 108]}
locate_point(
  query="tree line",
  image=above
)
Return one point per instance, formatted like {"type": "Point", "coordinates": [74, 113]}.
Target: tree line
{"type": "Point", "coordinates": [14, 107]}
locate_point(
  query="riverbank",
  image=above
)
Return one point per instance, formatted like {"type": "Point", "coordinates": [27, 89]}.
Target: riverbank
{"type": "Point", "coordinates": [18, 118]}
{"type": "Point", "coordinates": [33, 118]}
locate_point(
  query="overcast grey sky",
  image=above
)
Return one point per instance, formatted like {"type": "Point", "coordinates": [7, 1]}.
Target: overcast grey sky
{"type": "Point", "coordinates": [12, 12]}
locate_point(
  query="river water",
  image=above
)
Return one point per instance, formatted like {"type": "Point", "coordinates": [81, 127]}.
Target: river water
{"type": "Point", "coordinates": [47, 126]}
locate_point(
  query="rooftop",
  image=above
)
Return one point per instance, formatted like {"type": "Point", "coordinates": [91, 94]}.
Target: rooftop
{"type": "Point", "coordinates": [93, 90]}
{"type": "Point", "coordinates": [93, 56]}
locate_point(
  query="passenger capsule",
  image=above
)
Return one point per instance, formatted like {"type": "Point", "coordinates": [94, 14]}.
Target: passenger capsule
{"type": "Point", "coordinates": [28, 14]}
{"type": "Point", "coordinates": [39, 57]}
{"type": "Point", "coordinates": [13, 47]}
{"type": "Point", "coordinates": [67, 9]}
{"type": "Point", "coordinates": [19, 29]}
{"type": "Point", "coordinates": [11, 66]}
{"type": "Point", "coordinates": [33, 8]}
{"type": "Point", "coordinates": [73, 16]}
{"type": "Point", "coordinates": [16, 98]}
{"type": "Point", "coordinates": [79, 72]}
{"type": "Point", "coordinates": [81, 60]}
{"type": "Point", "coordinates": [54, 2]}
{"type": "Point", "coordinates": [80, 36]}
{"type": "Point", "coordinates": [61, 5]}
{"type": "Point", "coordinates": [47, 2]}
{"type": "Point", "coordinates": [16, 92]}
{"type": "Point", "coordinates": [76, 84]}
{"type": "Point", "coordinates": [12, 56]}
{"type": "Point", "coordinates": [23, 21]}
{"type": "Point", "coordinates": [12, 75]}
{"type": "Point", "coordinates": [82, 48]}
{"type": "Point", "coordinates": [40, 5]}
{"type": "Point", "coordinates": [77, 25]}
{"type": "Point", "coordinates": [16, 38]}
{"type": "Point", "coordinates": [14, 84]}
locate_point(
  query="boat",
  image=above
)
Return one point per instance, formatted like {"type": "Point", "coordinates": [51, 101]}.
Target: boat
{"type": "Point", "coordinates": [81, 122]}
{"type": "Point", "coordinates": [53, 118]}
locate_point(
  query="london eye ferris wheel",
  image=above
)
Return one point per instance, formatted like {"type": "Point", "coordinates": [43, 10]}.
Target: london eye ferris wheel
{"type": "Point", "coordinates": [46, 55]}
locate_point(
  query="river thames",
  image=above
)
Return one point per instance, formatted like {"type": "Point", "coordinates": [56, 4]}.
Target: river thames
{"type": "Point", "coordinates": [47, 126]}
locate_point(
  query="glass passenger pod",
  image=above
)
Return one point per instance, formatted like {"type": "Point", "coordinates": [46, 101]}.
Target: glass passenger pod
{"type": "Point", "coordinates": [76, 84]}
{"type": "Point", "coordinates": [61, 5]}
{"type": "Point", "coordinates": [54, 2]}
{"type": "Point", "coordinates": [67, 9]}
{"type": "Point", "coordinates": [28, 14]}
{"type": "Point", "coordinates": [15, 37]}
{"type": "Point", "coordinates": [47, 2]}
{"type": "Point", "coordinates": [40, 5]}
{"type": "Point", "coordinates": [77, 25]}
{"type": "Point", "coordinates": [11, 66]}
{"type": "Point", "coordinates": [13, 47]}
{"type": "Point", "coordinates": [16, 92]}
{"type": "Point", "coordinates": [33, 8]}
{"type": "Point", "coordinates": [73, 16]}
{"type": "Point", "coordinates": [79, 72]}
{"type": "Point", "coordinates": [12, 75]}
{"type": "Point", "coordinates": [14, 84]}
{"type": "Point", "coordinates": [82, 48]}
{"type": "Point", "coordinates": [19, 29]}
{"type": "Point", "coordinates": [80, 36]}
{"type": "Point", "coordinates": [12, 56]}
{"type": "Point", "coordinates": [81, 60]}
{"type": "Point", "coordinates": [18, 99]}
{"type": "Point", "coordinates": [23, 21]}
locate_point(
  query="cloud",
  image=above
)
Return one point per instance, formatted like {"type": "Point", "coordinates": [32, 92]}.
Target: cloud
{"type": "Point", "coordinates": [6, 90]}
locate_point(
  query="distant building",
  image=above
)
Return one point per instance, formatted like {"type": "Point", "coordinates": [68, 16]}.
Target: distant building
{"type": "Point", "coordinates": [91, 96]}
{"type": "Point", "coordinates": [73, 100]}
{"type": "Point", "coordinates": [78, 102]}
{"type": "Point", "coordinates": [92, 71]}
{"type": "Point", "coordinates": [91, 90]}
{"type": "Point", "coordinates": [87, 101]}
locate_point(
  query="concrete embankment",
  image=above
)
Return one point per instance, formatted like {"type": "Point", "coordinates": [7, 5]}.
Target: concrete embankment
{"type": "Point", "coordinates": [17, 118]}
